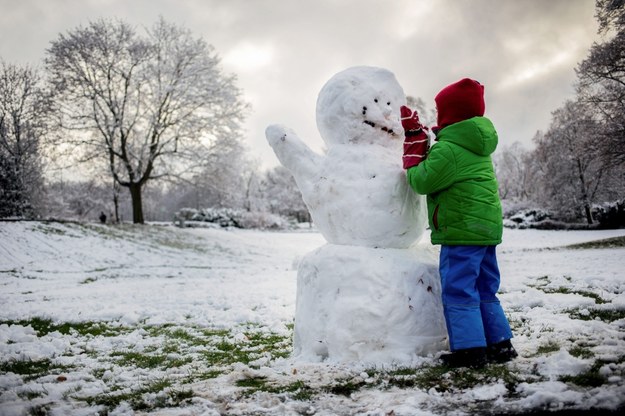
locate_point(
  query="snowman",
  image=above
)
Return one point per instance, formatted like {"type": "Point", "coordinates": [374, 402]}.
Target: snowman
{"type": "Point", "coordinates": [372, 293]}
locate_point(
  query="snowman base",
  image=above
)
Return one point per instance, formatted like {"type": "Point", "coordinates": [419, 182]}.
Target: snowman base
{"type": "Point", "coordinates": [368, 305]}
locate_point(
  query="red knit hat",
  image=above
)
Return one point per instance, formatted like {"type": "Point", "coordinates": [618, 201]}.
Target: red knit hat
{"type": "Point", "coordinates": [460, 101]}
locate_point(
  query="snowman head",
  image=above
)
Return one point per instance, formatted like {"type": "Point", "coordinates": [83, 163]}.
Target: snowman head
{"type": "Point", "coordinates": [361, 105]}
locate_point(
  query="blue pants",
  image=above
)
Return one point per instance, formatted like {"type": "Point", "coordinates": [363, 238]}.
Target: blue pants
{"type": "Point", "coordinates": [470, 281]}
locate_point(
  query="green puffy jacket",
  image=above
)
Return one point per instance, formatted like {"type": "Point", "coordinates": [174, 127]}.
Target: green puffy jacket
{"type": "Point", "coordinates": [459, 180]}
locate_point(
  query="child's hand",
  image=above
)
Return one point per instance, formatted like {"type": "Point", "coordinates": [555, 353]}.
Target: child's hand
{"type": "Point", "coordinates": [416, 141]}
{"type": "Point", "coordinates": [410, 121]}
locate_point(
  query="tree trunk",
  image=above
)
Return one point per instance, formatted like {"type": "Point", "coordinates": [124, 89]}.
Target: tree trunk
{"type": "Point", "coordinates": [588, 214]}
{"type": "Point", "coordinates": [584, 189]}
{"type": "Point", "coordinates": [116, 201]}
{"type": "Point", "coordinates": [116, 205]}
{"type": "Point", "coordinates": [137, 203]}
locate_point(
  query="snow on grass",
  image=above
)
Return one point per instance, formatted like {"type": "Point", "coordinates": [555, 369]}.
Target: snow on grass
{"type": "Point", "coordinates": [124, 319]}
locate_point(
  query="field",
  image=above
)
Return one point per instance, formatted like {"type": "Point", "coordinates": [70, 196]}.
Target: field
{"type": "Point", "coordinates": [117, 320]}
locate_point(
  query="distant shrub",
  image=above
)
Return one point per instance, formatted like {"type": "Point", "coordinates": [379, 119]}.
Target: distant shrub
{"type": "Point", "coordinates": [228, 217]}
{"type": "Point", "coordinates": [263, 220]}
{"type": "Point", "coordinates": [527, 218]}
{"type": "Point", "coordinates": [610, 215]}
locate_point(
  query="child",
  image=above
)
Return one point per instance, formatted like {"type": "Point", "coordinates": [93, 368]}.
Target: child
{"type": "Point", "coordinates": [465, 217]}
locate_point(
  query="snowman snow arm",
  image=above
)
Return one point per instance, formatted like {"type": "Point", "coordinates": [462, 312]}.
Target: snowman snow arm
{"type": "Point", "coordinates": [292, 152]}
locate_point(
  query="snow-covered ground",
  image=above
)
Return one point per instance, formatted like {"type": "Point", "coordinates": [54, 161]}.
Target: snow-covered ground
{"type": "Point", "coordinates": [191, 296]}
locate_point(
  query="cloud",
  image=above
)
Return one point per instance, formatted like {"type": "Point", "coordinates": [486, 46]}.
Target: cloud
{"type": "Point", "coordinates": [283, 51]}
{"type": "Point", "coordinates": [248, 56]}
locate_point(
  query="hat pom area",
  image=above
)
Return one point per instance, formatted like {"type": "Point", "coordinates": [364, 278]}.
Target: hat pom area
{"type": "Point", "coordinates": [460, 101]}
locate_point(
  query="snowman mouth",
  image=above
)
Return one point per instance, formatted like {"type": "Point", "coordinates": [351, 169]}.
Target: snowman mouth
{"type": "Point", "coordinates": [383, 128]}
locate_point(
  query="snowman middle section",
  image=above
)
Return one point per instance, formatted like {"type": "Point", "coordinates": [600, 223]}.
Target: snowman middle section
{"type": "Point", "coordinates": [360, 196]}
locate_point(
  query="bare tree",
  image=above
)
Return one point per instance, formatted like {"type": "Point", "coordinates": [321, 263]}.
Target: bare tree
{"type": "Point", "coordinates": [80, 200]}
{"type": "Point", "coordinates": [601, 79]}
{"type": "Point", "coordinates": [147, 106]}
{"type": "Point", "coordinates": [282, 195]}
{"type": "Point", "coordinates": [23, 122]}
{"type": "Point", "coordinates": [513, 174]}
{"type": "Point", "coordinates": [568, 155]}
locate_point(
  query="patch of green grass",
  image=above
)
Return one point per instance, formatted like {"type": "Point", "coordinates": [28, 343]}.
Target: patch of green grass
{"type": "Point", "coordinates": [31, 394]}
{"type": "Point", "coordinates": [40, 325]}
{"type": "Point", "coordinates": [98, 373]}
{"type": "Point", "coordinates": [256, 345]}
{"type": "Point", "coordinates": [581, 352]}
{"type": "Point", "coordinates": [144, 234]}
{"type": "Point", "coordinates": [147, 360]}
{"type": "Point", "coordinates": [208, 332]}
{"type": "Point", "coordinates": [26, 367]}
{"type": "Point", "coordinates": [543, 282]}
{"type": "Point", "coordinates": [590, 378]}
{"type": "Point", "coordinates": [605, 315]}
{"type": "Point", "coordinates": [156, 386]}
{"type": "Point", "coordinates": [182, 335]}
{"type": "Point", "coordinates": [298, 390]}
{"type": "Point", "coordinates": [106, 232]}
{"type": "Point", "coordinates": [202, 375]}
{"type": "Point", "coordinates": [31, 369]}
{"type": "Point", "coordinates": [178, 243]}
{"type": "Point", "coordinates": [410, 378]}
{"type": "Point", "coordinates": [136, 399]}
{"type": "Point", "coordinates": [172, 347]}
{"type": "Point", "coordinates": [444, 379]}
{"type": "Point", "coordinates": [45, 326]}
{"type": "Point", "coordinates": [158, 330]}
{"type": "Point", "coordinates": [345, 387]}
{"type": "Point", "coordinates": [278, 346]}
{"type": "Point", "coordinates": [402, 371]}
{"type": "Point", "coordinates": [48, 228]}
{"type": "Point", "coordinates": [549, 347]}
{"type": "Point", "coordinates": [440, 377]}
{"type": "Point", "coordinates": [256, 383]}
{"type": "Point", "coordinates": [152, 235]}
{"type": "Point", "coordinates": [566, 291]}
{"type": "Point", "coordinates": [598, 299]}
{"type": "Point", "coordinates": [174, 398]}
{"type": "Point", "coordinates": [614, 242]}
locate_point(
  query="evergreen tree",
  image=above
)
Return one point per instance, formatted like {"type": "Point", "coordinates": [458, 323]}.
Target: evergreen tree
{"type": "Point", "coordinates": [23, 123]}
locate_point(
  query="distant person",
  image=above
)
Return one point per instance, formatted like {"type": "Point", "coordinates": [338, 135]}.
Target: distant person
{"type": "Point", "coordinates": [465, 217]}
{"type": "Point", "coordinates": [102, 217]}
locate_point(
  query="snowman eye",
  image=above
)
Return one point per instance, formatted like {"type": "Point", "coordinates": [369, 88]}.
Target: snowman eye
{"type": "Point", "coordinates": [389, 103]}
{"type": "Point", "coordinates": [375, 100]}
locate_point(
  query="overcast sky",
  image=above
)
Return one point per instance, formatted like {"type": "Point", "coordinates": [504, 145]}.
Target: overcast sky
{"type": "Point", "coordinates": [283, 51]}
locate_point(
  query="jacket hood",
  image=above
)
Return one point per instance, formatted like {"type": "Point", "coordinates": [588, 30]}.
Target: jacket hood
{"type": "Point", "coordinates": [476, 134]}
{"type": "Point", "coordinates": [459, 101]}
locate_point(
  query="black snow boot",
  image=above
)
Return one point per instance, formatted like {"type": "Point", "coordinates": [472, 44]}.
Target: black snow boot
{"type": "Point", "coordinates": [501, 352]}
{"type": "Point", "coordinates": [469, 357]}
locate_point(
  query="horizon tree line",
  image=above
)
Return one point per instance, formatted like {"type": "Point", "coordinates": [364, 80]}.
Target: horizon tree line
{"type": "Point", "coordinates": [154, 112]}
